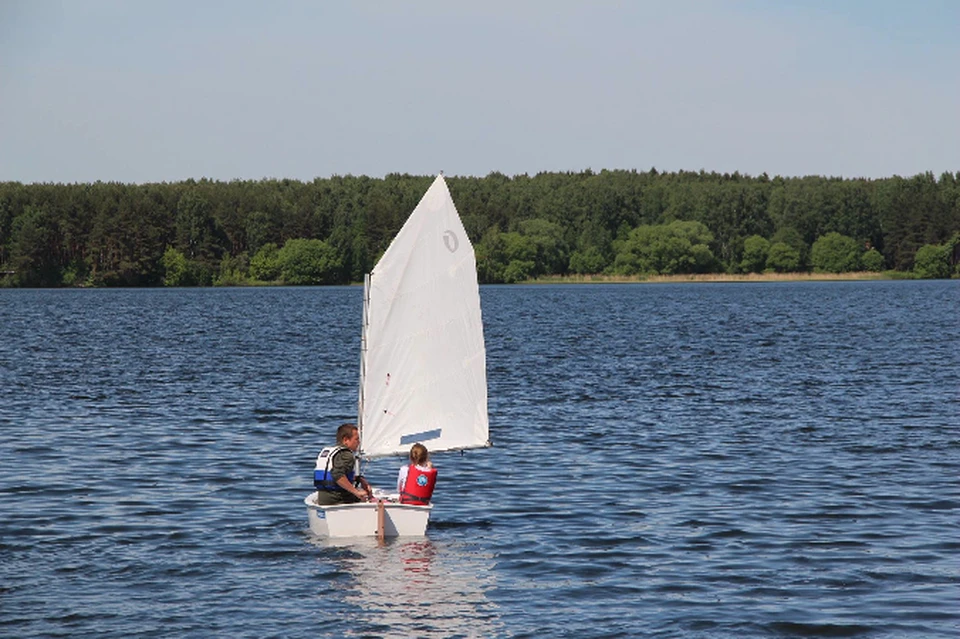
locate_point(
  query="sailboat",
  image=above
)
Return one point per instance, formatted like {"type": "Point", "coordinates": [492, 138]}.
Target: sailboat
{"type": "Point", "coordinates": [422, 362]}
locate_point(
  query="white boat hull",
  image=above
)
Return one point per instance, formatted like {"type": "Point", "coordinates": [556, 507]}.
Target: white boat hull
{"type": "Point", "coordinates": [360, 520]}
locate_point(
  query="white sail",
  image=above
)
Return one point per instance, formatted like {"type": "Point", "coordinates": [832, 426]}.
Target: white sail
{"type": "Point", "coordinates": [424, 364]}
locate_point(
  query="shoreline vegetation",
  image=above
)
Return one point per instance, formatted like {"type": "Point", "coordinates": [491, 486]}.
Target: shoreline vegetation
{"type": "Point", "coordinates": [624, 224]}
{"type": "Point", "coordinates": [601, 278]}
{"type": "Point", "coordinates": [718, 278]}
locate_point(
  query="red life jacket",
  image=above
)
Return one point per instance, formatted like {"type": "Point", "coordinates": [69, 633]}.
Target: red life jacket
{"type": "Point", "coordinates": [418, 488]}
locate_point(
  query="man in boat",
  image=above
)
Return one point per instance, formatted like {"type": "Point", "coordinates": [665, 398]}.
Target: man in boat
{"type": "Point", "coordinates": [336, 476]}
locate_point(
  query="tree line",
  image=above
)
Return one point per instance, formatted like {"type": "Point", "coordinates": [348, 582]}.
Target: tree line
{"type": "Point", "coordinates": [332, 230]}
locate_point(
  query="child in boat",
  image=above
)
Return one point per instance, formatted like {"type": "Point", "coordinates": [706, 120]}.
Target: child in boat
{"type": "Point", "coordinates": [416, 480]}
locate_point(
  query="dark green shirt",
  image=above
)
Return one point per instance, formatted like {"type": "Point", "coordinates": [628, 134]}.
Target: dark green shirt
{"type": "Point", "coordinates": [342, 463]}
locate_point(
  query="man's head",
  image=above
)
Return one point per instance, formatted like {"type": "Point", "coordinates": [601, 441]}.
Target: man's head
{"type": "Point", "coordinates": [348, 435]}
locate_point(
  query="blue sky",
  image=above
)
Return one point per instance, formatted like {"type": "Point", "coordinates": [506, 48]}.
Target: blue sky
{"type": "Point", "coordinates": [163, 91]}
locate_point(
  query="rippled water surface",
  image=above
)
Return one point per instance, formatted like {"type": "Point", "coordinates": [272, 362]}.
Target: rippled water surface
{"type": "Point", "coordinates": [700, 460]}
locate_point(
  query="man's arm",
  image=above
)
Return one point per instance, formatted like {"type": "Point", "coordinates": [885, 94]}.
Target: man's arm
{"type": "Point", "coordinates": [342, 464]}
{"type": "Point", "coordinates": [344, 483]}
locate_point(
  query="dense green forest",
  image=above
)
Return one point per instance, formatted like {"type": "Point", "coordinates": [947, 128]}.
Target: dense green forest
{"type": "Point", "coordinates": [332, 230]}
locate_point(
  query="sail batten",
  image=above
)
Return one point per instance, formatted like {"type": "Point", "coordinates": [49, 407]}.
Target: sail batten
{"type": "Point", "coordinates": [424, 367]}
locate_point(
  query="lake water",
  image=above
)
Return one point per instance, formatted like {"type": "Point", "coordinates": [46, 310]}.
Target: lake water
{"type": "Point", "coordinates": [694, 460]}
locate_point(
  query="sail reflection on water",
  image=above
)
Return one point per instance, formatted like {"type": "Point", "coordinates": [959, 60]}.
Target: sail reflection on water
{"type": "Point", "coordinates": [418, 588]}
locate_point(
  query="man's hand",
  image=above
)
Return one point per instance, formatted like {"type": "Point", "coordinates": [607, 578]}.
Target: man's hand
{"type": "Point", "coordinates": [366, 486]}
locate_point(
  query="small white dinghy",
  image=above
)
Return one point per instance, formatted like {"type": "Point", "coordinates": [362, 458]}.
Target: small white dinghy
{"type": "Point", "coordinates": [422, 362]}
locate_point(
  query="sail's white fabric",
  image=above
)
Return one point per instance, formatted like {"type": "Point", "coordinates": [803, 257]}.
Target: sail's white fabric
{"type": "Point", "coordinates": [425, 364]}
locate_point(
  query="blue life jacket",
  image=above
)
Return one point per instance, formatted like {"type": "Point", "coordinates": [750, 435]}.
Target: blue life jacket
{"type": "Point", "coordinates": [322, 474]}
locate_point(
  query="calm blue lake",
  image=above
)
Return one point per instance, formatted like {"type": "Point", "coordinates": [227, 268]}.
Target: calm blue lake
{"type": "Point", "coordinates": [693, 460]}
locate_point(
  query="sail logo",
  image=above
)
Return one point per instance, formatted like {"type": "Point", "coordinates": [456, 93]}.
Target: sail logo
{"type": "Point", "coordinates": [451, 242]}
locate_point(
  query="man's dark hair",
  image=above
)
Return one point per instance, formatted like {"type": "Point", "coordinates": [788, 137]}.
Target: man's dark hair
{"type": "Point", "coordinates": [345, 430]}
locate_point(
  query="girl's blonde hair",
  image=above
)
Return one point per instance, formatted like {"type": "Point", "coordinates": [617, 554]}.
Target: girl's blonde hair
{"type": "Point", "coordinates": [419, 454]}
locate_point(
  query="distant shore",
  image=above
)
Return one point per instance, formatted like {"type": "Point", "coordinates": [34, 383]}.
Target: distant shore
{"type": "Point", "coordinates": [716, 277]}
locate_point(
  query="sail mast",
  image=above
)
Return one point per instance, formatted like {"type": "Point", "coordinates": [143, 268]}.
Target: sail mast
{"type": "Point", "coordinates": [363, 353]}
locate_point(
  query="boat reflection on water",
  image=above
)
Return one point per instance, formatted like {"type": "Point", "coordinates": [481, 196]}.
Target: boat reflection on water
{"type": "Point", "coordinates": [420, 587]}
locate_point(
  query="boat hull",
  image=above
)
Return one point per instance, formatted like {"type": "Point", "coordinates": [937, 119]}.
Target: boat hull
{"type": "Point", "coordinates": [360, 520]}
